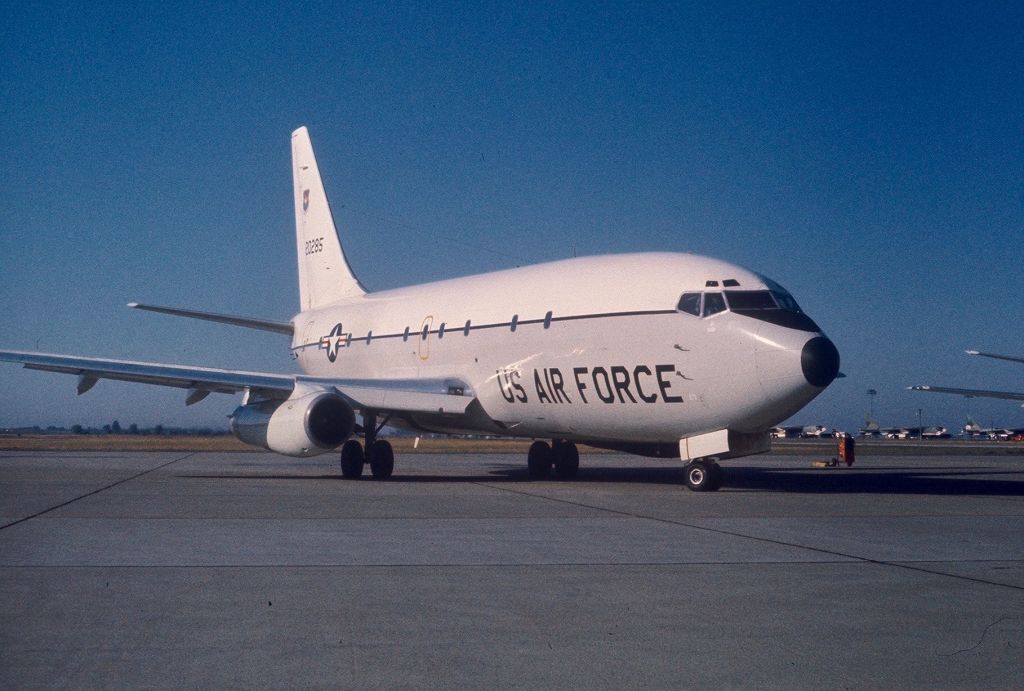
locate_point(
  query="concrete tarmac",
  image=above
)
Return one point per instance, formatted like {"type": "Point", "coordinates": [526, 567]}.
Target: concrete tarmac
{"type": "Point", "coordinates": [251, 569]}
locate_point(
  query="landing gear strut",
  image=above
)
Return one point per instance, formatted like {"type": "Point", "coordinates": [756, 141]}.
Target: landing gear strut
{"type": "Point", "coordinates": [703, 475]}
{"type": "Point", "coordinates": [563, 455]}
{"type": "Point", "coordinates": [378, 454]}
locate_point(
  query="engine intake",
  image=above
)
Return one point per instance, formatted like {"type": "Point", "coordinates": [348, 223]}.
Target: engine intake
{"type": "Point", "coordinates": [303, 425]}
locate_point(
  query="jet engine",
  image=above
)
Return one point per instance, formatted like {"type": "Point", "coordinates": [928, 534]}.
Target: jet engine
{"type": "Point", "coordinates": [306, 424]}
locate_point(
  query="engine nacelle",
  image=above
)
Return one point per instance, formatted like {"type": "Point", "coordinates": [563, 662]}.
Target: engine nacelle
{"type": "Point", "coordinates": [303, 425]}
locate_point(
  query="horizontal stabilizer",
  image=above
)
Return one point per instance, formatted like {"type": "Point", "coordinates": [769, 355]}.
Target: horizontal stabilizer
{"type": "Point", "coordinates": [285, 328]}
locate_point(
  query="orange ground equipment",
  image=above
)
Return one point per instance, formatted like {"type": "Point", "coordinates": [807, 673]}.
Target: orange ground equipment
{"type": "Point", "coordinates": [846, 454]}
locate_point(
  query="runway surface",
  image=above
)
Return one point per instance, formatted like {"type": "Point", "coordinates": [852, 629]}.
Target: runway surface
{"type": "Point", "coordinates": [238, 569]}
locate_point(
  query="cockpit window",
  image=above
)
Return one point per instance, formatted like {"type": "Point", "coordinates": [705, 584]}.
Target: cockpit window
{"type": "Point", "coordinates": [690, 303]}
{"type": "Point", "coordinates": [781, 295]}
{"type": "Point", "coordinates": [750, 300]}
{"type": "Point", "coordinates": [713, 304]}
{"type": "Point", "coordinates": [786, 301]}
{"type": "Point", "coordinates": [774, 305]}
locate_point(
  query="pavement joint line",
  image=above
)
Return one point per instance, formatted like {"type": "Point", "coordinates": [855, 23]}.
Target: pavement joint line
{"type": "Point", "coordinates": [448, 565]}
{"type": "Point", "coordinates": [880, 562]}
{"type": "Point", "coordinates": [498, 565]}
{"type": "Point", "coordinates": [95, 491]}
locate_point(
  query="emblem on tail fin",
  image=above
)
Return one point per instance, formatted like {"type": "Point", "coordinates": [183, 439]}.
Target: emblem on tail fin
{"type": "Point", "coordinates": [305, 200]}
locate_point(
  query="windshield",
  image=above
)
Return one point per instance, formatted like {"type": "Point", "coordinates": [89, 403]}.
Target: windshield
{"type": "Point", "coordinates": [774, 305]}
{"type": "Point", "coordinates": [786, 301]}
{"type": "Point", "coordinates": [750, 300]}
{"type": "Point", "coordinates": [781, 295]}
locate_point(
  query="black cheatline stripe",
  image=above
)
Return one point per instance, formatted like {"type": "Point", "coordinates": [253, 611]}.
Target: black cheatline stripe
{"type": "Point", "coordinates": [508, 324]}
{"type": "Point", "coordinates": [605, 315]}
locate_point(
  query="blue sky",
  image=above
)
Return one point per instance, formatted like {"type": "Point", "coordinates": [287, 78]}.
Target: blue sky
{"type": "Point", "coordinates": [868, 156]}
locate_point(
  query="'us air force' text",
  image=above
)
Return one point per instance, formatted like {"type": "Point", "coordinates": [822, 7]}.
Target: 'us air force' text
{"type": "Point", "coordinates": [604, 384]}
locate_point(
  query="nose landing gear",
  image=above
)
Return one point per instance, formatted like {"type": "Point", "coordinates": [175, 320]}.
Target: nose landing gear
{"type": "Point", "coordinates": [703, 475]}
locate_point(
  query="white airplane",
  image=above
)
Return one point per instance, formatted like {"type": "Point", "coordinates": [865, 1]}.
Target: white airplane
{"type": "Point", "coordinates": [870, 428]}
{"type": "Point", "coordinates": [803, 432]}
{"type": "Point", "coordinates": [978, 393]}
{"type": "Point", "coordinates": [815, 431]}
{"type": "Point", "coordinates": [975, 431]}
{"type": "Point", "coordinates": [934, 432]}
{"type": "Point", "coordinates": [784, 432]}
{"type": "Point", "coordinates": [659, 354]}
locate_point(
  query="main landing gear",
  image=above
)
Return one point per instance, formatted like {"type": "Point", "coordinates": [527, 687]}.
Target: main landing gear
{"type": "Point", "coordinates": [562, 455]}
{"type": "Point", "coordinates": [703, 475]}
{"type": "Point", "coordinates": [378, 454]}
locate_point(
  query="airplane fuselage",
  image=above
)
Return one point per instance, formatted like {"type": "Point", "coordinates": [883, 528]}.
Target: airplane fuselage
{"type": "Point", "coordinates": [590, 349]}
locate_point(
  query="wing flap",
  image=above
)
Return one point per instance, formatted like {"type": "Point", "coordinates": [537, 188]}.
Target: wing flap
{"type": "Point", "coordinates": [385, 396]}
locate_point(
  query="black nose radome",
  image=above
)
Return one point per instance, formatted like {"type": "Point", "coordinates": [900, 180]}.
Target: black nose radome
{"type": "Point", "coordinates": [820, 361]}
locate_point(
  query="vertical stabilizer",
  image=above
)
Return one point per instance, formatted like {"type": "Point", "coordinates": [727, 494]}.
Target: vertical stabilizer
{"type": "Point", "coordinates": [324, 273]}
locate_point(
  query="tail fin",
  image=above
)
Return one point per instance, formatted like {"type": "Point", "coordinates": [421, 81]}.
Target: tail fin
{"type": "Point", "coordinates": [324, 273]}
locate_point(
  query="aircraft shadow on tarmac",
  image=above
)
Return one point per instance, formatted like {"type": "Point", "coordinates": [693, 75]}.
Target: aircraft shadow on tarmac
{"type": "Point", "coordinates": [889, 480]}
{"type": "Point", "coordinates": [926, 481]}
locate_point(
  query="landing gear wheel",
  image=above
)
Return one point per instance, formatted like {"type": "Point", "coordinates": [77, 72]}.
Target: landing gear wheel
{"type": "Point", "coordinates": [538, 462]}
{"type": "Point", "coordinates": [352, 459]}
{"type": "Point", "coordinates": [703, 476]}
{"type": "Point", "coordinates": [382, 460]}
{"type": "Point", "coordinates": [567, 459]}
{"type": "Point", "coordinates": [716, 476]}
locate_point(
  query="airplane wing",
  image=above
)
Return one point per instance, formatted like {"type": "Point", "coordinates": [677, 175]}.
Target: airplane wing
{"type": "Point", "coordinates": [972, 393]}
{"type": "Point", "coordinates": [994, 356]}
{"type": "Point", "coordinates": [381, 395]}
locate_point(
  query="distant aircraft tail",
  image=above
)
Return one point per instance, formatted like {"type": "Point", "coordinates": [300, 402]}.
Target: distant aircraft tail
{"type": "Point", "coordinates": [324, 274]}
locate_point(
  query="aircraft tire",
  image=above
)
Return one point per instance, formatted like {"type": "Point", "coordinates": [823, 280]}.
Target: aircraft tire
{"type": "Point", "coordinates": [716, 476]}
{"type": "Point", "coordinates": [567, 459]}
{"type": "Point", "coordinates": [701, 476]}
{"type": "Point", "coordinates": [352, 459]}
{"type": "Point", "coordinates": [382, 460]}
{"type": "Point", "coordinates": [538, 461]}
